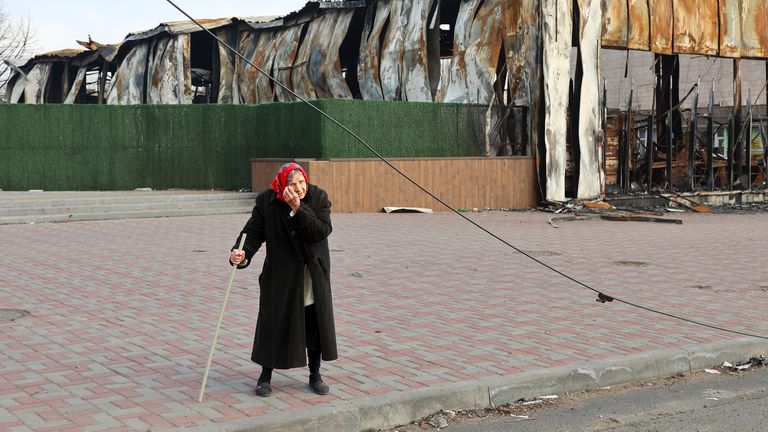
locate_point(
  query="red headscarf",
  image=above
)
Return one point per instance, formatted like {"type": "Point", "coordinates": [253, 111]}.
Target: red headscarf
{"type": "Point", "coordinates": [281, 180]}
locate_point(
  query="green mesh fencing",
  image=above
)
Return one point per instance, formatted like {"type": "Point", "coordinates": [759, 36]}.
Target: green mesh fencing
{"type": "Point", "coordinates": [99, 147]}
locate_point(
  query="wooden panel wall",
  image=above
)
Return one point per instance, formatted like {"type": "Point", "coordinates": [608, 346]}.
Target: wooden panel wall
{"type": "Point", "coordinates": [368, 185]}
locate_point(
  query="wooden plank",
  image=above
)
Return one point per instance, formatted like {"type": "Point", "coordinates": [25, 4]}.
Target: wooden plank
{"type": "Point", "coordinates": [368, 185]}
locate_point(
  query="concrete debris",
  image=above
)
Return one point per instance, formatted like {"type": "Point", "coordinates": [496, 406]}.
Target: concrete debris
{"type": "Point", "coordinates": [437, 421]}
{"type": "Point", "coordinates": [760, 361]}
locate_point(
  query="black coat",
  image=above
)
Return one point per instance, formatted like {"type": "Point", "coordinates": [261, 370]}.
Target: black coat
{"type": "Point", "coordinates": [292, 242]}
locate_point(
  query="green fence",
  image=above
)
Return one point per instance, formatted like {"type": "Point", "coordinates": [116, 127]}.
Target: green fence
{"type": "Point", "coordinates": [97, 147]}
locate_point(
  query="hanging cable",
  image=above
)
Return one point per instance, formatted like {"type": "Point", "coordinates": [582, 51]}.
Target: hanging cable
{"type": "Point", "coordinates": [601, 297]}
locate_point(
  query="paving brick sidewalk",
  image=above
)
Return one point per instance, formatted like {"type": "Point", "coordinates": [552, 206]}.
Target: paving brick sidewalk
{"type": "Point", "coordinates": [122, 312]}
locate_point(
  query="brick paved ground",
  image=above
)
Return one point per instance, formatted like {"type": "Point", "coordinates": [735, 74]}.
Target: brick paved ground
{"type": "Point", "coordinates": [122, 312]}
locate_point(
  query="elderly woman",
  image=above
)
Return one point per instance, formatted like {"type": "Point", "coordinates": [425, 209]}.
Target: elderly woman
{"type": "Point", "coordinates": [295, 308]}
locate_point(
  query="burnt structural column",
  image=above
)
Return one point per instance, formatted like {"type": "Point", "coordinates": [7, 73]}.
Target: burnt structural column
{"type": "Point", "coordinates": [734, 147]}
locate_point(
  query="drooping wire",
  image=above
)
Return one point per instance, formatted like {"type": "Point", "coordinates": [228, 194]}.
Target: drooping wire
{"type": "Point", "coordinates": [601, 296]}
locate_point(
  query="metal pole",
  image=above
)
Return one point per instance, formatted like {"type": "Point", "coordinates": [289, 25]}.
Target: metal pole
{"type": "Point", "coordinates": [710, 139]}
{"type": "Point", "coordinates": [218, 324]}
{"type": "Point", "coordinates": [694, 129]}
{"type": "Point", "coordinates": [748, 141]}
{"type": "Point", "coordinates": [731, 142]}
{"type": "Point", "coordinates": [668, 133]}
{"type": "Point", "coordinates": [649, 147]}
{"type": "Point", "coordinates": [736, 151]}
{"type": "Point", "coordinates": [627, 142]}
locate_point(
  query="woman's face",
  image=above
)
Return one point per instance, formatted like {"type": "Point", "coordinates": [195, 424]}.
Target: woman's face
{"type": "Point", "coordinates": [298, 184]}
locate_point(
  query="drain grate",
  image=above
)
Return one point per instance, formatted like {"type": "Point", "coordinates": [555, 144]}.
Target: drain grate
{"type": "Point", "coordinates": [7, 315]}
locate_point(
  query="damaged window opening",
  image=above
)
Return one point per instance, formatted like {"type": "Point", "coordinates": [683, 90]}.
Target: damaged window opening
{"type": "Point", "coordinates": [55, 86]}
{"type": "Point", "coordinates": [449, 11]}
{"type": "Point", "coordinates": [203, 62]}
{"type": "Point", "coordinates": [349, 53]}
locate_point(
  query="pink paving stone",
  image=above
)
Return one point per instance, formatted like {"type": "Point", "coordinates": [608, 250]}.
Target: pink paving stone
{"type": "Point", "coordinates": [28, 402]}
{"type": "Point", "coordinates": [62, 428]}
{"type": "Point", "coordinates": [227, 414]}
{"type": "Point", "coordinates": [124, 403]}
{"type": "Point", "coordinates": [187, 421]}
{"type": "Point", "coordinates": [127, 393]}
{"type": "Point", "coordinates": [51, 415]}
{"type": "Point", "coordinates": [255, 411]}
{"type": "Point", "coordinates": [155, 421]}
{"type": "Point", "coordinates": [81, 419]}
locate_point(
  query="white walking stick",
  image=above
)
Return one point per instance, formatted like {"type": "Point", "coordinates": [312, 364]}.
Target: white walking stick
{"type": "Point", "coordinates": [218, 325]}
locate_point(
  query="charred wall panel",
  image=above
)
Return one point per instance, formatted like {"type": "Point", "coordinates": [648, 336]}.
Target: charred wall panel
{"type": "Point", "coordinates": [590, 171]}
{"type": "Point", "coordinates": [639, 25]}
{"type": "Point", "coordinates": [317, 72]}
{"type": "Point", "coordinates": [414, 68]}
{"type": "Point", "coordinates": [226, 68]}
{"type": "Point", "coordinates": [369, 64]}
{"type": "Point", "coordinates": [754, 30]}
{"type": "Point", "coordinates": [15, 89]}
{"type": "Point", "coordinates": [285, 56]}
{"type": "Point", "coordinates": [730, 28]}
{"type": "Point", "coordinates": [246, 74]}
{"type": "Point", "coordinates": [696, 27]}
{"type": "Point", "coordinates": [392, 51]}
{"type": "Point", "coordinates": [127, 86]}
{"type": "Point", "coordinates": [661, 26]}
{"type": "Point", "coordinates": [557, 31]}
{"type": "Point", "coordinates": [330, 82]}
{"type": "Point", "coordinates": [79, 79]}
{"type": "Point", "coordinates": [170, 79]}
{"type": "Point", "coordinates": [477, 46]}
{"type": "Point", "coordinates": [453, 86]}
{"type": "Point", "coordinates": [521, 37]}
{"type": "Point", "coordinates": [35, 83]}
{"type": "Point", "coordinates": [264, 58]}
{"type": "Point", "coordinates": [258, 47]}
{"type": "Point", "coordinates": [615, 26]}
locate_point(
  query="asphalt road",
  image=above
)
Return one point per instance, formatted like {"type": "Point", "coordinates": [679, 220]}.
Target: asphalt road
{"type": "Point", "coordinates": [698, 402]}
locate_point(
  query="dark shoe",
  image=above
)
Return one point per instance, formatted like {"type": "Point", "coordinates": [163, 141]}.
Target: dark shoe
{"type": "Point", "coordinates": [317, 385]}
{"type": "Point", "coordinates": [264, 389]}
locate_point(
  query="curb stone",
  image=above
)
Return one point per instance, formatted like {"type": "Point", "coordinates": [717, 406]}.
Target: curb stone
{"type": "Point", "coordinates": [402, 408]}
